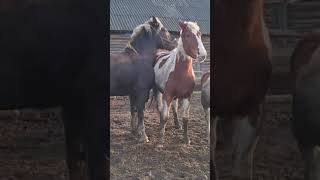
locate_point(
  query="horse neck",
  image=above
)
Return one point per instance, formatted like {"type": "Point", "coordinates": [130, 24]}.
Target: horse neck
{"type": "Point", "coordinates": [179, 50]}
{"type": "Point", "coordinates": [182, 59]}
{"type": "Point", "coordinates": [144, 46]}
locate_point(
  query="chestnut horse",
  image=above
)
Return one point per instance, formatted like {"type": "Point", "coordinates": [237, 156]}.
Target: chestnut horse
{"type": "Point", "coordinates": [175, 77]}
{"type": "Point", "coordinates": [131, 71]}
{"type": "Point", "coordinates": [205, 99]}
{"type": "Point", "coordinates": [305, 69]}
{"type": "Point", "coordinates": [242, 71]}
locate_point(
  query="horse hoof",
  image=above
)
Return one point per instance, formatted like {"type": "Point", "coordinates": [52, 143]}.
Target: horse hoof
{"type": "Point", "coordinates": [160, 145]}
{"type": "Point", "coordinates": [134, 132]}
{"type": "Point", "coordinates": [143, 139]}
{"type": "Point", "coordinates": [187, 142]}
{"type": "Point", "coordinates": [178, 126]}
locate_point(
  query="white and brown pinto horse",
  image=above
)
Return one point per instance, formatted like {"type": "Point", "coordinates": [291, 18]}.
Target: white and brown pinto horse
{"type": "Point", "coordinates": [242, 72]}
{"type": "Point", "coordinates": [174, 75]}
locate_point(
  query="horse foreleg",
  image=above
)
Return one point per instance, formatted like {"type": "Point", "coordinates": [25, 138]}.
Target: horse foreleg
{"type": "Point", "coordinates": [175, 114]}
{"type": "Point", "coordinates": [185, 117]}
{"type": "Point", "coordinates": [244, 142]}
{"type": "Point", "coordinates": [72, 125]}
{"type": "Point", "coordinates": [142, 137]}
{"type": "Point", "coordinates": [134, 115]}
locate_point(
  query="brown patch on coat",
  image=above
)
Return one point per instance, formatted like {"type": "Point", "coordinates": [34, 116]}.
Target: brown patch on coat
{"type": "Point", "coordinates": [181, 81]}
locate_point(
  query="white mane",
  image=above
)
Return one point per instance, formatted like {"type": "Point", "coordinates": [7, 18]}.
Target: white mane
{"type": "Point", "coordinates": [192, 26]}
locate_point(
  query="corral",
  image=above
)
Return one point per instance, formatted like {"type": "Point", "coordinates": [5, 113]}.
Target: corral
{"type": "Point", "coordinates": [32, 148]}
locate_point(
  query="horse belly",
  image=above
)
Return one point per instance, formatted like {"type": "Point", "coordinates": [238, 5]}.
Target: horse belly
{"type": "Point", "coordinates": [180, 88]}
{"type": "Point", "coordinates": [239, 94]}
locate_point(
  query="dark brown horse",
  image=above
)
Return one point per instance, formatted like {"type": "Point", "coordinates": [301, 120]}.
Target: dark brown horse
{"type": "Point", "coordinates": [305, 69]}
{"type": "Point", "coordinates": [131, 71]}
{"type": "Point", "coordinates": [174, 75]}
{"type": "Point", "coordinates": [242, 71]}
{"type": "Point", "coordinates": [52, 55]}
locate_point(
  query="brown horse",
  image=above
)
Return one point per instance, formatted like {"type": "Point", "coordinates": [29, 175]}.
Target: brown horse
{"type": "Point", "coordinates": [242, 71]}
{"type": "Point", "coordinates": [174, 75]}
{"type": "Point", "coordinates": [305, 69]}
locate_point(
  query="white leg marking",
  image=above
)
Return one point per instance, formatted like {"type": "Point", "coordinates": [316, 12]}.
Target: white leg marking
{"type": "Point", "coordinates": [185, 117]}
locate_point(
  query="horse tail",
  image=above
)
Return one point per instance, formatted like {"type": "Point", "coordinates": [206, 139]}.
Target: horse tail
{"type": "Point", "coordinates": [154, 95]}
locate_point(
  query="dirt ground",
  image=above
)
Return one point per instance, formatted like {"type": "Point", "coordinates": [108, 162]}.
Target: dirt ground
{"type": "Point", "coordinates": [32, 148]}
{"type": "Point", "coordinates": [130, 160]}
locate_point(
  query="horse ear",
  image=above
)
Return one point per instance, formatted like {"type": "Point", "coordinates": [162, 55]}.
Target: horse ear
{"type": "Point", "coordinates": [182, 25]}
{"type": "Point", "coordinates": [155, 21]}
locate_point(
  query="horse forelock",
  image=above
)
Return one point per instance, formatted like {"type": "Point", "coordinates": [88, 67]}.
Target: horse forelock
{"type": "Point", "coordinates": [159, 22]}
{"type": "Point", "coordinates": [193, 26]}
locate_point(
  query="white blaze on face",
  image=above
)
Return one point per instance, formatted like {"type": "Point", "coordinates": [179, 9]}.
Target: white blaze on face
{"type": "Point", "coordinates": [162, 73]}
{"type": "Point", "coordinates": [202, 50]}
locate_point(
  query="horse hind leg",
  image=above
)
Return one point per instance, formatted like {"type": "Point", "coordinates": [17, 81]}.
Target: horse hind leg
{"type": "Point", "coordinates": [185, 117]}
{"type": "Point", "coordinates": [159, 101]}
{"type": "Point", "coordinates": [207, 118]}
{"type": "Point", "coordinates": [164, 116]}
{"type": "Point", "coordinates": [134, 114]}
{"type": "Point", "coordinates": [175, 114]}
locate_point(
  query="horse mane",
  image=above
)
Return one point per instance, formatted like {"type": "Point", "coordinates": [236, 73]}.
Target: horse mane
{"type": "Point", "coordinates": [145, 26]}
{"type": "Point", "coordinates": [192, 26]}
{"type": "Point", "coordinates": [138, 30]}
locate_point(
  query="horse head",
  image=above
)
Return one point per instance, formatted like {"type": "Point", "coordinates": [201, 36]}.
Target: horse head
{"type": "Point", "coordinates": [190, 40]}
{"type": "Point", "coordinates": [151, 35]}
